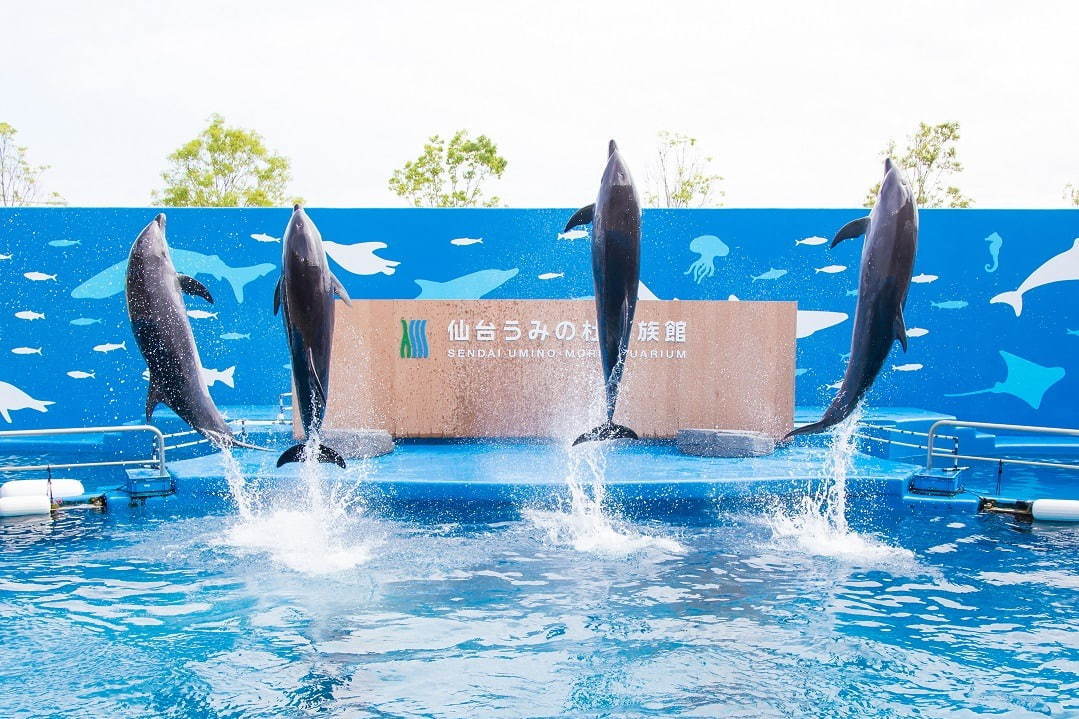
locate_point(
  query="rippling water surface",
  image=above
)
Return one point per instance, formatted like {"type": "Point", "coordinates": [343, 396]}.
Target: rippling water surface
{"type": "Point", "coordinates": [325, 605]}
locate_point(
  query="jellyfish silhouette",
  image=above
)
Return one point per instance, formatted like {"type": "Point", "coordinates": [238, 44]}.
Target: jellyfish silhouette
{"type": "Point", "coordinates": [709, 247]}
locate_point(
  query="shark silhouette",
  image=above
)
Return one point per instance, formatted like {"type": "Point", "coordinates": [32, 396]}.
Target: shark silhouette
{"type": "Point", "coordinates": [1027, 380]}
{"type": "Point", "coordinates": [110, 281]}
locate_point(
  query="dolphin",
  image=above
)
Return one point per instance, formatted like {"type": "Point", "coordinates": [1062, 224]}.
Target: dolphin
{"type": "Point", "coordinates": [891, 232]}
{"type": "Point", "coordinates": [616, 270]}
{"type": "Point", "coordinates": [305, 294]}
{"type": "Point", "coordinates": [155, 306]}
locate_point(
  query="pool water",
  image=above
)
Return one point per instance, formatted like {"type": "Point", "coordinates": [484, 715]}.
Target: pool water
{"type": "Point", "coordinates": [319, 600]}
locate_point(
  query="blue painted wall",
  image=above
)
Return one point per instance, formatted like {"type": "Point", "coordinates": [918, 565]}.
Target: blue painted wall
{"type": "Point", "coordinates": [66, 264]}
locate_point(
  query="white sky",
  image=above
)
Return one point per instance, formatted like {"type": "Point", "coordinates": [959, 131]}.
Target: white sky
{"type": "Point", "coordinates": [795, 100]}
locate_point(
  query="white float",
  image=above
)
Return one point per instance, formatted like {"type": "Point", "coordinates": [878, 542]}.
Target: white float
{"type": "Point", "coordinates": [61, 488]}
{"type": "Point", "coordinates": [20, 506]}
{"type": "Point", "coordinates": [1055, 510]}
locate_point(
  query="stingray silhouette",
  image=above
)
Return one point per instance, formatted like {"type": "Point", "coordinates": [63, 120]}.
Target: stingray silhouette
{"type": "Point", "coordinates": [1029, 381]}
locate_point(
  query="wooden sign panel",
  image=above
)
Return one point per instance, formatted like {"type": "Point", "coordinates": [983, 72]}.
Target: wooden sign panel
{"type": "Point", "coordinates": [531, 368]}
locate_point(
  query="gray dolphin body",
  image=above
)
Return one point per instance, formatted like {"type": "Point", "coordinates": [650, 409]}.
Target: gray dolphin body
{"type": "Point", "coordinates": [891, 241]}
{"type": "Point", "coordinates": [158, 315]}
{"type": "Point", "coordinates": [305, 295]}
{"type": "Point", "coordinates": [616, 272]}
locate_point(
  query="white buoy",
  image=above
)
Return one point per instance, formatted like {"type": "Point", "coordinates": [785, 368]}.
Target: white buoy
{"type": "Point", "coordinates": [25, 505]}
{"type": "Point", "coordinates": [61, 488]}
{"type": "Point", "coordinates": [1055, 510]}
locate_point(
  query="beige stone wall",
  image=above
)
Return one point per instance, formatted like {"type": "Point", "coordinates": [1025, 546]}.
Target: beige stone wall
{"type": "Point", "coordinates": [727, 365]}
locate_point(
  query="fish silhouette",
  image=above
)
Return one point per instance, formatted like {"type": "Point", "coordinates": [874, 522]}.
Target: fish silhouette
{"type": "Point", "coordinates": [110, 281]}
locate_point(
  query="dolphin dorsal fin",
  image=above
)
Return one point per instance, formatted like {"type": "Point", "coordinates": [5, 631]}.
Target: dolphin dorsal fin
{"type": "Point", "coordinates": [338, 289]}
{"type": "Point", "coordinates": [854, 228]}
{"type": "Point", "coordinates": [153, 398]}
{"type": "Point", "coordinates": [191, 286]}
{"type": "Point", "coordinates": [901, 328]}
{"type": "Point", "coordinates": [612, 147]}
{"type": "Point", "coordinates": [277, 292]}
{"type": "Point", "coordinates": [582, 216]}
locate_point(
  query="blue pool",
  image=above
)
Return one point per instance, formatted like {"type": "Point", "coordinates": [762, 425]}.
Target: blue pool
{"type": "Point", "coordinates": [703, 588]}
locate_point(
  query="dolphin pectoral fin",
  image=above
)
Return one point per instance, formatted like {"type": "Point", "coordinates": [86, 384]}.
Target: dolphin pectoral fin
{"type": "Point", "coordinates": [854, 228]}
{"type": "Point", "coordinates": [582, 216]}
{"type": "Point", "coordinates": [901, 329]}
{"type": "Point", "coordinates": [339, 290]}
{"type": "Point", "coordinates": [327, 455]}
{"type": "Point", "coordinates": [277, 295]}
{"type": "Point", "coordinates": [191, 286]}
{"type": "Point", "coordinates": [604, 432]}
{"type": "Point", "coordinates": [153, 398]}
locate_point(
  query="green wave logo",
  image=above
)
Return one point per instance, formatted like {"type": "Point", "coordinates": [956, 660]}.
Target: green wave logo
{"type": "Point", "coordinates": [414, 340]}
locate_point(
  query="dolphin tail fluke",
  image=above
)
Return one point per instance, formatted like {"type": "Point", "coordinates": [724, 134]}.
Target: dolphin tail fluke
{"type": "Point", "coordinates": [327, 455]}
{"type": "Point", "coordinates": [604, 432]}
{"type": "Point", "coordinates": [1015, 299]}
{"type": "Point", "coordinates": [814, 428]}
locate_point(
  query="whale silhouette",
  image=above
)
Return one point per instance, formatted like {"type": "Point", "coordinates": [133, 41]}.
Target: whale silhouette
{"type": "Point", "coordinates": [810, 321]}
{"type": "Point", "coordinates": [1060, 268]}
{"type": "Point", "coordinates": [472, 286]}
{"type": "Point", "coordinates": [1029, 381]}
{"type": "Point", "coordinates": [13, 398]}
{"type": "Point", "coordinates": [110, 281]}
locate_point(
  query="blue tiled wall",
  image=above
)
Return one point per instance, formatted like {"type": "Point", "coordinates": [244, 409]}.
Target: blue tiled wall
{"type": "Point", "coordinates": [62, 301]}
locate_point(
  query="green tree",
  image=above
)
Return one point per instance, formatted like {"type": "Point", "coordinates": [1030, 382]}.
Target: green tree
{"type": "Point", "coordinates": [19, 180]}
{"type": "Point", "coordinates": [929, 160]}
{"type": "Point", "coordinates": [450, 174]}
{"type": "Point", "coordinates": [681, 174]}
{"type": "Point", "coordinates": [224, 167]}
{"type": "Point", "coordinates": [1071, 194]}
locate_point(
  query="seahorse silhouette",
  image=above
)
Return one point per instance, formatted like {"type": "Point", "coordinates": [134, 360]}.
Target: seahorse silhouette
{"type": "Point", "coordinates": [995, 241]}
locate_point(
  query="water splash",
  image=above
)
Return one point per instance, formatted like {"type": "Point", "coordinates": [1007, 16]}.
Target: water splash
{"type": "Point", "coordinates": [818, 525]}
{"type": "Point", "coordinates": [237, 484]}
{"type": "Point", "coordinates": [583, 522]}
{"type": "Point", "coordinates": [317, 525]}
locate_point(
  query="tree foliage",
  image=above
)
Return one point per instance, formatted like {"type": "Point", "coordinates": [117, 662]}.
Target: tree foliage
{"type": "Point", "coordinates": [19, 180]}
{"type": "Point", "coordinates": [681, 175]}
{"type": "Point", "coordinates": [224, 167]}
{"type": "Point", "coordinates": [450, 174]}
{"type": "Point", "coordinates": [929, 161]}
{"type": "Point", "coordinates": [1071, 194]}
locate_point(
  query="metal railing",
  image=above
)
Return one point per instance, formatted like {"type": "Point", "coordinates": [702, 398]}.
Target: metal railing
{"type": "Point", "coordinates": [932, 434]}
{"type": "Point", "coordinates": [281, 407]}
{"type": "Point", "coordinates": [157, 461]}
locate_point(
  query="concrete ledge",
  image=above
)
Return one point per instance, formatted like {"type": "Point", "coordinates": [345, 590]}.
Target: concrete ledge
{"type": "Point", "coordinates": [724, 443]}
{"type": "Point", "coordinates": [359, 443]}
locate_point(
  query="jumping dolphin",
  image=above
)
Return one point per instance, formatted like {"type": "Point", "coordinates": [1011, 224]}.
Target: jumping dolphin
{"type": "Point", "coordinates": [306, 291]}
{"type": "Point", "coordinates": [159, 321]}
{"type": "Point", "coordinates": [616, 269]}
{"type": "Point", "coordinates": [891, 232]}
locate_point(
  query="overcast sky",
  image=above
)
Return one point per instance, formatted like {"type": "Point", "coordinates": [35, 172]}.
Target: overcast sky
{"type": "Point", "coordinates": [795, 100]}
